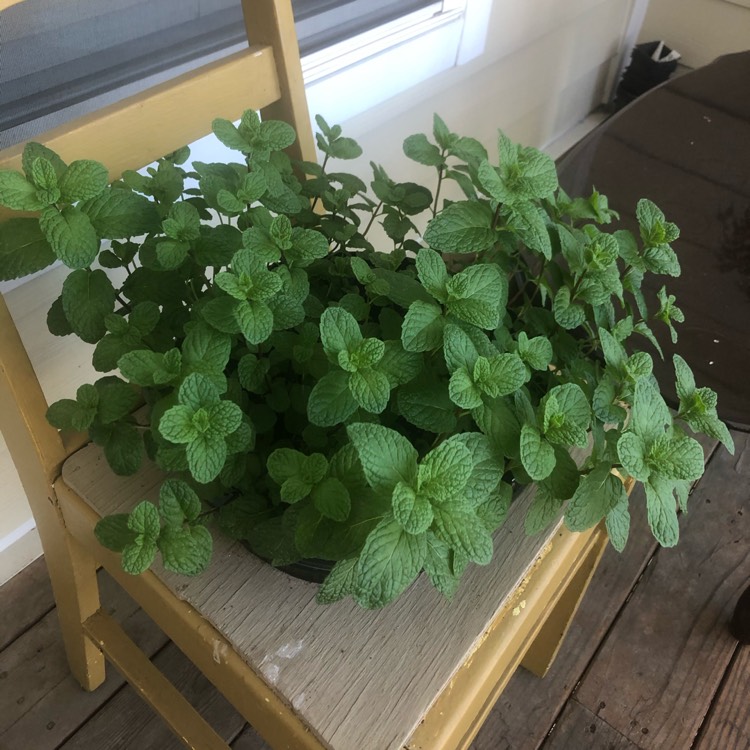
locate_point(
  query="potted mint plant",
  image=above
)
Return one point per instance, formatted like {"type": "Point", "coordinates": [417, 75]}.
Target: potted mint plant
{"type": "Point", "coordinates": [325, 400]}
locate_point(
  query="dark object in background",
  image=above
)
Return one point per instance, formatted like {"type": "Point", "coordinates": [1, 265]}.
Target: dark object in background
{"type": "Point", "coordinates": [740, 625]}
{"type": "Point", "coordinates": [644, 72]}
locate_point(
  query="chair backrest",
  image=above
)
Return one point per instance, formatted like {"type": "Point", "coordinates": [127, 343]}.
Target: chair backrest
{"type": "Point", "coordinates": [130, 134]}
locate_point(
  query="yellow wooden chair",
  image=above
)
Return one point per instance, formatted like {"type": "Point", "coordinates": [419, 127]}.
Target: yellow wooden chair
{"type": "Point", "coordinates": [422, 673]}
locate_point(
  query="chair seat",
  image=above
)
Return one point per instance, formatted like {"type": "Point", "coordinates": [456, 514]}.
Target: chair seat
{"type": "Point", "coordinates": [357, 678]}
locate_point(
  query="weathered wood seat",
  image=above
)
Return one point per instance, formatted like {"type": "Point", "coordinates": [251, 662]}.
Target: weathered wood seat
{"type": "Point", "coordinates": [421, 674]}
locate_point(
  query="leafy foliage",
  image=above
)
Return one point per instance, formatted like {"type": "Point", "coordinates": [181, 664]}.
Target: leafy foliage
{"type": "Point", "coordinates": [371, 408]}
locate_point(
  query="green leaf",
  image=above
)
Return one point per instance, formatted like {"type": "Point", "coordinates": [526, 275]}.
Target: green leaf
{"type": "Point", "coordinates": [676, 457]}
{"type": "Point", "coordinates": [197, 391]}
{"type": "Point", "coordinates": [389, 562]}
{"type": "Point", "coordinates": [597, 494]}
{"type": "Point", "coordinates": [618, 524]}
{"type": "Point", "coordinates": [331, 401]}
{"type": "Point", "coordinates": [178, 502]}
{"type": "Point", "coordinates": [138, 556]}
{"type": "Point", "coordinates": [422, 329]}
{"type": "Point", "coordinates": [650, 414]}
{"type": "Point", "coordinates": [255, 320]}
{"type": "Point", "coordinates": [419, 149]}
{"type": "Point", "coordinates": [331, 499]}
{"type": "Point", "coordinates": [206, 455]}
{"type": "Point", "coordinates": [477, 294]}
{"type": "Point", "coordinates": [537, 455]}
{"type": "Point", "coordinates": [123, 446]}
{"type": "Point", "coordinates": [412, 511]}
{"type": "Point", "coordinates": [632, 454]}
{"type": "Point", "coordinates": [186, 550]}
{"type": "Point", "coordinates": [458, 349]}
{"type": "Point", "coordinates": [432, 273]}
{"type": "Point", "coordinates": [567, 315]}
{"type": "Point", "coordinates": [536, 352]}
{"type": "Point", "coordinates": [339, 583]}
{"type": "Point", "coordinates": [544, 509]}
{"type": "Point", "coordinates": [113, 532]}
{"type": "Point", "coordinates": [71, 235]}
{"type": "Point", "coordinates": [32, 151]}
{"type": "Point", "coordinates": [662, 511]}
{"type": "Point", "coordinates": [463, 391]}
{"type": "Point", "coordinates": [501, 375]}
{"type": "Point", "coordinates": [23, 249]}
{"type": "Point", "coordinates": [116, 399]}
{"type": "Point", "coordinates": [371, 389]}
{"type": "Point", "coordinates": [445, 470]}
{"type": "Point", "coordinates": [427, 405]}
{"type": "Point", "coordinates": [464, 227]}
{"type": "Point", "coordinates": [18, 194]}
{"type": "Point", "coordinates": [387, 457]}
{"type": "Point", "coordinates": [339, 331]}
{"type": "Point", "coordinates": [398, 365]}
{"type": "Point", "coordinates": [43, 175]}
{"type": "Point", "coordinates": [464, 532]}
{"type": "Point", "coordinates": [528, 221]}
{"type": "Point", "coordinates": [228, 134]}
{"type": "Point", "coordinates": [82, 180]}
{"type": "Point", "coordinates": [87, 297]}
{"type": "Point", "coordinates": [144, 520]}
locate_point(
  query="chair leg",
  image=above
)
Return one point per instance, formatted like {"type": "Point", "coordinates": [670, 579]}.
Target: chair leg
{"type": "Point", "coordinates": [73, 575]}
{"type": "Point", "coordinates": [543, 650]}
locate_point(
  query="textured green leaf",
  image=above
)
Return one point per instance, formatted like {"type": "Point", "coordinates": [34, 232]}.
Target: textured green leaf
{"type": "Point", "coordinates": [187, 550]}
{"type": "Point", "coordinates": [114, 533]}
{"type": "Point", "coordinates": [83, 179]}
{"type": "Point", "coordinates": [676, 457]}
{"type": "Point", "coordinates": [138, 556]}
{"type": "Point", "coordinates": [464, 227]}
{"type": "Point", "coordinates": [444, 471]}
{"type": "Point", "coordinates": [331, 499]}
{"type": "Point", "coordinates": [537, 455]}
{"type": "Point", "coordinates": [419, 149]}
{"type": "Point", "coordinates": [432, 273]}
{"type": "Point", "coordinates": [567, 315]}
{"type": "Point", "coordinates": [662, 511]}
{"type": "Point", "coordinates": [463, 391]}
{"type": "Point", "coordinates": [536, 352]}
{"type": "Point", "coordinates": [501, 375]}
{"type": "Point", "coordinates": [339, 331]}
{"type": "Point", "coordinates": [544, 509]}
{"type": "Point", "coordinates": [412, 511]}
{"type": "Point", "coordinates": [206, 456]}
{"type": "Point", "coordinates": [389, 562]}
{"type": "Point", "coordinates": [176, 425]}
{"type": "Point", "coordinates": [23, 249]}
{"type": "Point", "coordinates": [528, 221]}
{"type": "Point", "coordinates": [331, 401]}
{"type": "Point", "coordinates": [339, 583]}
{"type": "Point", "coordinates": [427, 405]}
{"type": "Point", "coordinates": [119, 213]}
{"type": "Point", "coordinates": [632, 453]}
{"type": "Point", "coordinates": [71, 235]}
{"type": "Point", "coordinates": [370, 389]}
{"type": "Point", "coordinates": [618, 524]}
{"type": "Point", "coordinates": [18, 194]}
{"type": "Point", "coordinates": [87, 297]}
{"type": "Point", "coordinates": [255, 320]}
{"type": "Point", "coordinates": [178, 502]}
{"type": "Point", "coordinates": [458, 349]}
{"type": "Point", "coordinates": [387, 457]}
{"type": "Point", "coordinates": [597, 494]}
{"type": "Point", "coordinates": [650, 414]}
{"type": "Point", "coordinates": [422, 329]}
{"type": "Point", "coordinates": [463, 531]}
{"type": "Point", "coordinates": [477, 294]}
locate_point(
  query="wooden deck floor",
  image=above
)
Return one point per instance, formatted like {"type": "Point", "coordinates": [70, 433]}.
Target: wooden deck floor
{"type": "Point", "coordinates": [648, 664]}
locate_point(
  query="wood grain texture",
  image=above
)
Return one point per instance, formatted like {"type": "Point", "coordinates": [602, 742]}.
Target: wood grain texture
{"type": "Point", "coordinates": [41, 703]}
{"type": "Point", "coordinates": [579, 729]}
{"type": "Point", "coordinates": [728, 723]}
{"type": "Point", "coordinates": [24, 600]}
{"type": "Point", "coordinates": [528, 706]}
{"type": "Point", "coordinates": [127, 722]}
{"type": "Point", "coordinates": [665, 656]}
{"type": "Point", "coordinates": [341, 668]}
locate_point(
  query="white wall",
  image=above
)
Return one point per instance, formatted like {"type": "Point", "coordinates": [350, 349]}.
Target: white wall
{"type": "Point", "coordinates": [545, 66]}
{"type": "Point", "coordinates": [700, 30]}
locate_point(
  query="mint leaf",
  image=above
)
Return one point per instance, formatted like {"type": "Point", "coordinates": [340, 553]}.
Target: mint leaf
{"type": "Point", "coordinates": [662, 511]}
{"type": "Point", "coordinates": [544, 509]}
{"type": "Point", "coordinates": [23, 249]}
{"type": "Point", "coordinates": [370, 389]}
{"type": "Point", "coordinates": [412, 511]}
{"type": "Point", "coordinates": [206, 455]}
{"type": "Point", "coordinates": [186, 550]}
{"type": "Point", "coordinates": [500, 375]}
{"type": "Point", "coordinates": [419, 149]}
{"type": "Point", "coordinates": [458, 349]}
{"type": "Point", "coordinates": [477, 294]}
{"type": "Point", "coordinates": [536, 352]}
{"type": "Point", "coordinates": [463, 391]}
{"type": "Point", "coordinates": [464, 227]}
{"type": "Point", "coordinates": [422, 329]}
{"type": "Point", "coordinates": [618, 524]}
{"type": "Point", "coordinates": [82, 180]}
{"type": "Point", "coordinates": [597, 494]}
{"type": "Point", "coordinates": [114, 533]}
{"type": "Point", "coordinates": [537, 455]}
{"type": "Point", "coordinates": [427, 405]}
{"type": "Point", "coordinates": [18, 194]}
{"type": "Point", "coordinates": [432, 273]}
{"type": "Point", "coordinates": [464, 532]}
{"type": "Point", "coordinates": [71, 235]}
{"type": "Point", "coordinates": [444, 471]}
{"type": "Point", "coordinates": [138, 555]}
{"type": "Point", "coordinates": [389, 562]}
{"type": "Point", "coordinates": [567, 315]}
{"type": "Point", "coordinates": [339, 583]}
{"type": "Point", "coordinates": [331, 499]}
{"type": "Point", "coordinates": [87, 297]}
{"type": "Point", "coordinates": [650, 414]}
{"type": "Point", "coordinates": [120, 213]}
{"type": "Point", "coordinates": [529, 222]}
{"type": "Point", "coordinates": [339, 331]}
{"type": "Point", "coordinates": [178, 502]}
{"type": "Point", "coordinates": [387, 457]}
{"type": "Point", "coordinates": [331, 401]}
{"type": "Point", "coordinates": [633, 456]}
{"type": "Point", "coordinates": [676, 457]}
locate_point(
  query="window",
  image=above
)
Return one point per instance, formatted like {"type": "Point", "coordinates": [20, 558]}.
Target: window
{"type": "Point", "coordinates": [60, 60]}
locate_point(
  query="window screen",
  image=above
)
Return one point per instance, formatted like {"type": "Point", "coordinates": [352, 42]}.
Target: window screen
{"type": "Point", "coordinates": [61, 59]}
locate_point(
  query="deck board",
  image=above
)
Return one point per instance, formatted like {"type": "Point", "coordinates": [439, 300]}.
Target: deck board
{"type": "Point", "coordinates": [31, 594]}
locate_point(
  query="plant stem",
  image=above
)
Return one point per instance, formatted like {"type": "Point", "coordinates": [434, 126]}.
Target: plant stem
{"type": "Point", "coordinates": [441, 169]}
{"type": "Point", "coordinates": [372, 218]}
{"type": "Point", "coordinates": [317, 197]}
{"type": "Point", "coordinates": [123, 302]}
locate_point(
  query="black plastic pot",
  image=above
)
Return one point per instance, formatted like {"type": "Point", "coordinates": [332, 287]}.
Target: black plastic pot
{"type": "Point", "coordinates": [643, 73]}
